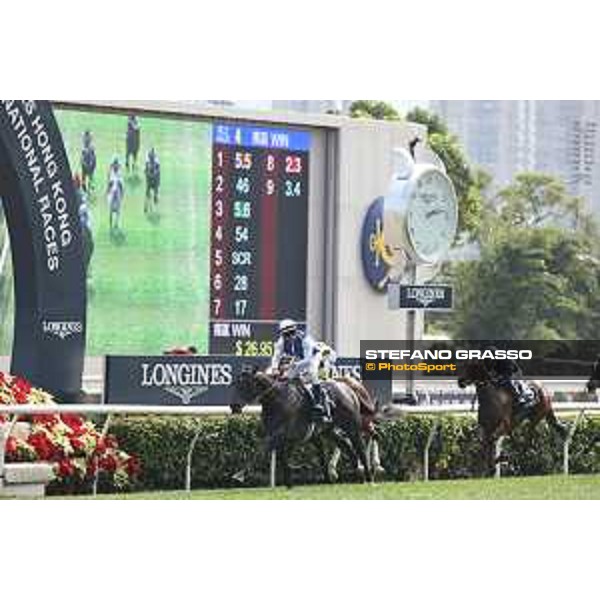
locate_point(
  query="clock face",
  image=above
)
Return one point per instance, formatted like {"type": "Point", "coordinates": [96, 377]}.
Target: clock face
{"type": "Point", "coordinates": [432, 215]}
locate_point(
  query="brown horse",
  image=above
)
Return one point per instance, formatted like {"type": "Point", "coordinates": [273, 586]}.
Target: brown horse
{"type": "Point", "coordinates": [496, 415]}
{"type": "Point", "coordinates": [288, 423]}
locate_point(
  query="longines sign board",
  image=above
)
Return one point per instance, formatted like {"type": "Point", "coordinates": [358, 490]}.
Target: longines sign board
{"type": "Point", "coordinates": [42, 215]}
{"type": "Point", "coordinates": [194, 380]}
{"type": "Point", "coordinates": [428, 297]}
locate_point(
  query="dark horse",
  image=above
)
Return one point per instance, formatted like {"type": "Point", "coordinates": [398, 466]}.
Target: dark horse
{"type": "Point", "coordinates": [133, 142]}
{"type": "Point", "coordinates": [496, 415]}
{"type": "Point", "coordinates": [152, 182]}
{"type": "Point", "coordinates": [288, 423]}
{"type": "Point", "coordinates": [88, 167]}
{"type": "Point", "coordinates": [594, 381]}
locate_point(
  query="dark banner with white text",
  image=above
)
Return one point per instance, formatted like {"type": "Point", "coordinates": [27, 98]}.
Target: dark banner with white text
{"type": "Point", "coordinates": [42, 215]}
{"type": "Point", "coordinates": [198, 380]}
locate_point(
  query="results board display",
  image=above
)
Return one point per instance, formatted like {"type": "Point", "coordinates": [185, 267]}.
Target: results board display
{"type": "Point", "coordinates": [259, 235]}
{"type": "Point", "coordinates": [195, 232]}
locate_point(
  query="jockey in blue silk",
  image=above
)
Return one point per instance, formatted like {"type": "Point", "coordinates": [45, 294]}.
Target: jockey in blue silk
{"type": "Point", "coordinates": [306, 360]}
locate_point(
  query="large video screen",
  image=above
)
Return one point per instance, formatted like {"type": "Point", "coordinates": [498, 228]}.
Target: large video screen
{"type": "Point", "coordinates": [195, 232]}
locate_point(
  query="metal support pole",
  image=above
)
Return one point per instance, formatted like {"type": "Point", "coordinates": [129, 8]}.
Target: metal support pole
{"type": "Point", "coordinates": [411, 331]}
{"type": "Point", "coordinates": [273, 474]}
{"type": "Point", "coordinates": [430, 439]}
{"type": "Point", "coordinates": [188, 466]}
{"type": "Point", "coordinates": [497, 455]}
{"type": "Point", "coordinates": [568, 440]}
{"type": "Point", "coordinates": [103, 435]}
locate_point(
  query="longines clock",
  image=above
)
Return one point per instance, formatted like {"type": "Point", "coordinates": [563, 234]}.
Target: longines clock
{"type": "Point", "coordinates": [421, 212]}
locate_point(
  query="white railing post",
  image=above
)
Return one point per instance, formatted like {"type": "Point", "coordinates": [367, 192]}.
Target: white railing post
{"type": "Point", "coordinates": [273, 471]}
{"type": "Point", "coordinates": [188, 465]}
{"type": "Point", "coordinates": [569, 439]}
{"type": "Point", "coordinates": [430, 439]}
{"type": "Point", "coordinates": [497, 456]}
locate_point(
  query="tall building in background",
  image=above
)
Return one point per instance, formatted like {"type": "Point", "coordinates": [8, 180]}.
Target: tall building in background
{"type": "Point", "coordinates": [505, 137]}
{"type": "Point", "coordinates": [312, 106]}
{"type": "Point", "coordinates": [341, 106]}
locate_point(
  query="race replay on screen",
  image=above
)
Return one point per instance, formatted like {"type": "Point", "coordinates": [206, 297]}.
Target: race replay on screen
{"type": "Point", "coordinates": [444, 359]}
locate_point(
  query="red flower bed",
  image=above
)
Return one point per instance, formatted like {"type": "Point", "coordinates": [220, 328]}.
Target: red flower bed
{"type": "Point", "coordinates": [77, 450]}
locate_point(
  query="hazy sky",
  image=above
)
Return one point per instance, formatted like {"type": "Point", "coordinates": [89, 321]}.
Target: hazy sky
{"type": "Point", "coordinates": [402, 105]}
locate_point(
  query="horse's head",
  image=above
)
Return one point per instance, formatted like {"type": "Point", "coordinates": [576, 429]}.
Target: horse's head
{"type": "Point", "coordinates": [252, 385]}
{"type": "Point", "coordinates": [474, 373]}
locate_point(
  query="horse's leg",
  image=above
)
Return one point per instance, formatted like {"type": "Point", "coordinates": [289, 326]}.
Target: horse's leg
{"type": "Point", "coordinates": [359, 448]}
{"type": "Point", "coordinates": [284, 460]}
{"type": "Point", "coordinates": [491, 457]}
{"type": "Point", "coordinates": [488, 455]}
{"type": "Point", "coordinates": [344, 444]}
{"type": "Point", "coordinates": [318, 444]}
{"type": "Point", "coordinates": [332, 471]}
{"type": "Point", "coordinates": [374, 456]}
{"type": "Point", "coordinates": [556, 425]}
{"type": "Point", "coordinates": [282, 452]}
{"type": "Point", "coordinates": [147, 200]}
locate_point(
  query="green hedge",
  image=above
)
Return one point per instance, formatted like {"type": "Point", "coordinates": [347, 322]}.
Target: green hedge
{"type": "Point", "coordinates": [228, 446]}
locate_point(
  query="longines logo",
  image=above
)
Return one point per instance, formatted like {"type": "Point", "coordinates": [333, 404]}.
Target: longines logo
{"type": "Point", "coordinates": [377, 257]}
{"type": "Point", "coordinates": [186, 381]}
{"type": "Point", "coordinates": [425, 296]}
{"type": "Point", "coordinates": [62, 329]}
{"type": "Point", "coordinates": [186, 394]}
{"type": "Point", "coordinates": [431, 297]}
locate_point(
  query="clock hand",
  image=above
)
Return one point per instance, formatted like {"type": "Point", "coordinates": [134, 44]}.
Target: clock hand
{"type": "Point", "coordinates": [432, 213]}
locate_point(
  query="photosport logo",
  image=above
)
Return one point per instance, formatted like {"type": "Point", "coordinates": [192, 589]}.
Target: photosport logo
{"type": "Point", "coordinates": [62, 329]}
{"type": "Point", "coordinates": [428, 360]}
{"type": "Point", "coordinates": [186, 381]}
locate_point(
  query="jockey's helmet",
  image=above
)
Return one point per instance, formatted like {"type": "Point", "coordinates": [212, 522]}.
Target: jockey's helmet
{"type": "Point", "coordinates": [287, 326]}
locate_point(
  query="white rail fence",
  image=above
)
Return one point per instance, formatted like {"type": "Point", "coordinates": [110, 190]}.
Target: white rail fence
{"type": "Point", "coordinates": [576, 409]}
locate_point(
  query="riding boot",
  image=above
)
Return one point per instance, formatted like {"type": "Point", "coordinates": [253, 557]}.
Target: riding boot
{"type": "Point", "coordinates": [525, 405]}
{"type": "Point", "coordinates": [321, 413]}
{"type": "Point", "coordinates": [529, 403]}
